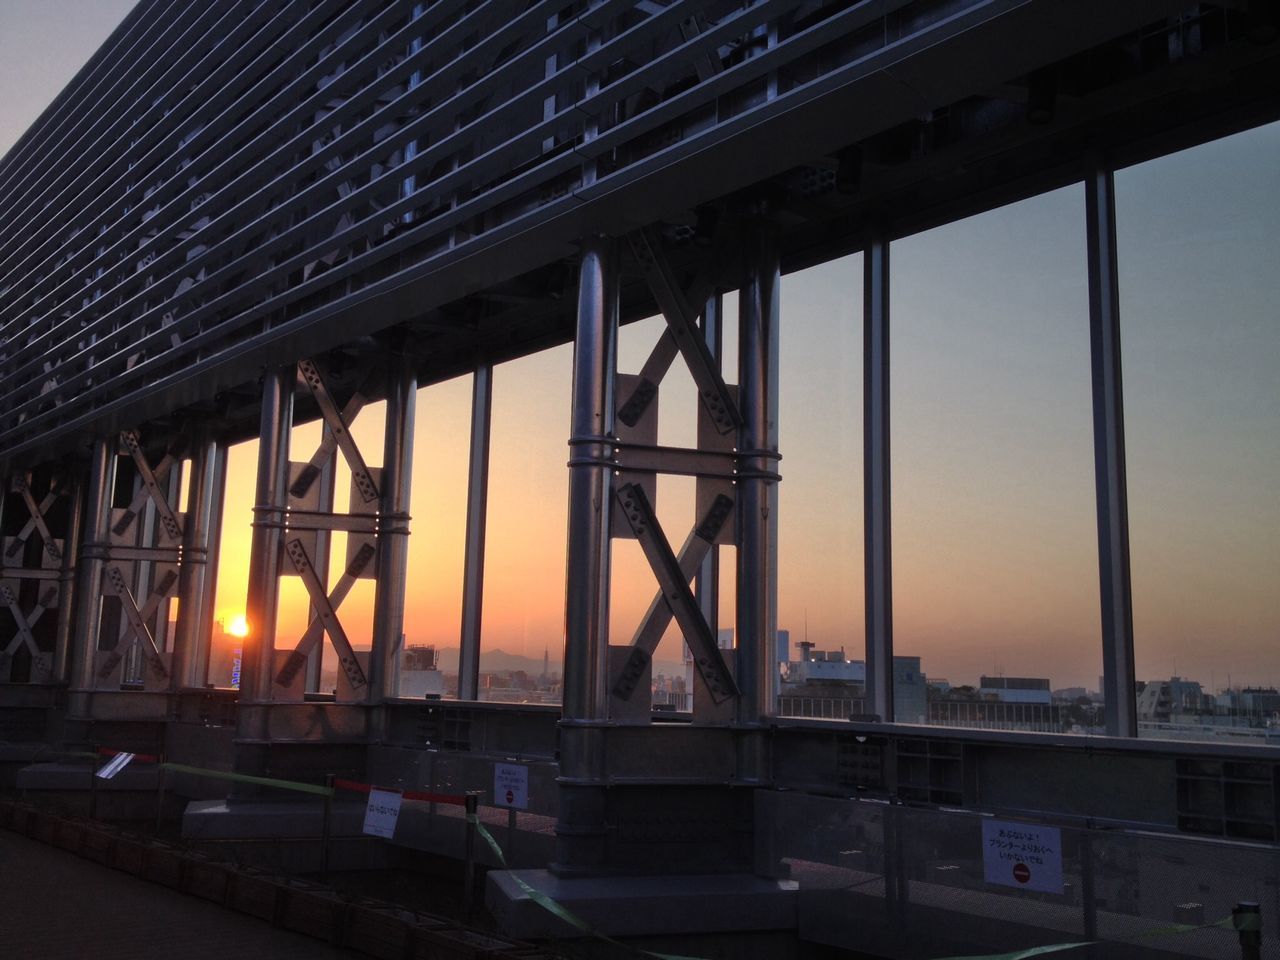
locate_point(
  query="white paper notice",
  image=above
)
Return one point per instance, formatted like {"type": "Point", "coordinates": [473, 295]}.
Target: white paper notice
{"type": "Point", "coordinates": [511, 786]}
{"type": "Point", "coordinates": [1022, 855]}
{"type": "Point", "coordinates": [114, 765]}
{"type": "Point", "coordinates": [381, 814]}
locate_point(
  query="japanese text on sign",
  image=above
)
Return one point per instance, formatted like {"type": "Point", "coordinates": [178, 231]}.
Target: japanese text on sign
{"type": "Point", "coordinates": [511, 786]}
{"type": "Point", "coordinates": [381, 814]}
{"type": "Point", "coordinates": [1022, 855]}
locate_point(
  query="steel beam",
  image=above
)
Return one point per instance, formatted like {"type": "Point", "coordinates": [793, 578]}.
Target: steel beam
{"type": "Point", "coordinates": [67, 577]}
{"type": "Point", "coordinates": [757, 593]}
{"type": "Point", "coordinates": [706, 584]}
{"type": "Point", "coordinates": [878, 566]}
{"type": "Point", "coordinates": [102, 477]}
{"type": "Point", "coordinates": [270, 500]}
{"type": "Point", "coordinates": [477, 520]}
{"type": "Point", "coordinates": [393, 531]}
{"type": "Point", "coordinates": [1109, 455]}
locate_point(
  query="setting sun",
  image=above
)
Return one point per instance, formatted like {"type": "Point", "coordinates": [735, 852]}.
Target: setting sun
{"type": "Point", "coordinates": [238, 627]}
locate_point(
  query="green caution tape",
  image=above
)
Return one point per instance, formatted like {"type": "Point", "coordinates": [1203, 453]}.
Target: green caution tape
{"type": "Point", "coordinates": [296, 786]}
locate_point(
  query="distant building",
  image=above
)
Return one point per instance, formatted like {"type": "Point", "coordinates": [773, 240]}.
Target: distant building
{"type": "Point", "coordinates": [1015, 689]}
{"type": "Point", "coordinates": [419, 673]}
{"type": "Point", "coordinates": [910, 691]}
{"type": "Point", "coordinates": [1163, 700]}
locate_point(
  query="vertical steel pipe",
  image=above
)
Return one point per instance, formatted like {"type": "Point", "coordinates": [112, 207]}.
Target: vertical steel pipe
{"type": "Point", "coordinates": [393, 531]}
{"type": "Point", "coordinates": [217, 498]}
{"type": "Point", "coordinates": [102, 475]}
{"type": "Point", "coordinates": [590, 487]}
{"type": "Point", "coordinates": [1109, 456]}
{"type": "Point", "coordinates": [706, 583]}
{"type": "Point", "coordinates": [270, 500]}
{"type": "Point", "coordinates": [757, 593]}
{"type": "Point", "coordinates": [67, 582]}
{"type": "Point", "coordinates": [878, 567]}
{"type": "Point", "coordinates": [477, 520]}
{"type": "Point", "coordinates": [194, 580]}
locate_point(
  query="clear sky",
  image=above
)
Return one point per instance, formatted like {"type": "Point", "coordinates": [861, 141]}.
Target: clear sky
{"type": "Point", "coordinates": [993, 513]}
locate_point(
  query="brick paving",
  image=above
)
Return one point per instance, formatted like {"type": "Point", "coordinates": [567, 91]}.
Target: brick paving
{"type": "Point", "coordinates": [57, 906]}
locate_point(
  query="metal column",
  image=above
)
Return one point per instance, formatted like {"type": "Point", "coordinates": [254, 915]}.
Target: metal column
{"type": "Point", "coordinates": [878, 570]}
{"type": "Point", "coordinates": [218, 499]}
{"type": "Point", "coordinates": [706, 584]}
{"type": "Point", "coordinates": [757, 593]}
{"type": "Point", "coordinates": [66, 607]}
{"type": "Point", "coordinates": [195, 601]}
{"type": "Point", "coordinates": [477, 519]}
{"type": "Point", "coordinates": [102, 476]}
{"type": "Point", "coordinates": [1109, 456]}
{"type": "Point", "coordinates": [258, 658]}
{"type": "Point", "coordinates": [581, 829]}
{"type": "Point", "coordinates": [393, 531]}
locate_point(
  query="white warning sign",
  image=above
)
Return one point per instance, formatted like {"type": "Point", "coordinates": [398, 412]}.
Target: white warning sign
{"type": "Point", "coordinates": [1022, 855]}
{"type": "Point", "coordinates": [381, 814]}
{"type": "Point", "coordinates": [511, 786]}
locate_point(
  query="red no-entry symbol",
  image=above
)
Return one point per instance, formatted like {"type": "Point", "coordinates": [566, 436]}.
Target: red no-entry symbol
{"type": "Point", "coordinates": [1021, 872]}
{"type": "Point", "coordinates": [511, 797]}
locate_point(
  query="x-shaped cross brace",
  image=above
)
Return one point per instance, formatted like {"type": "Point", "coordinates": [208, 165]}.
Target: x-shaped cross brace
{"type": "Point", "coordinates": [339, 435]}
{"type": "Point", "coordinates": [682, 336]}
{"type": "Point", "coordinates": [151, 485]}
{"type": "Point", "coordinates": [328, 442]}
{"type": "Point", "coordinates": [36, 520]}
{"type": "Point", "coordinates": [137, 620]}
{"type": "Point", "coordinates": [675, 598]}
{"type": "Point", "coordinates": [326, 618]}
{"type": "Point", "coordinates": [159, 474]}
{"type": "Point", "coordinates": [26, 622]}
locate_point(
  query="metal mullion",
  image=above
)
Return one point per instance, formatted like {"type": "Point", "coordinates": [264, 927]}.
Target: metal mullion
{"type": "Point", "coordinates": [123, 103]}
{"type": "Point", "coordinates": [116, 64]}
{"type": "Point", "coordinates": [122, 247]}
{"type": "Point", "coordinates": [877, 538]}
{"type": "Point", "coordinates": [1116, 591]}
{"type": "Point", "coordinates": [476, 529]}
{"type": "Point", "coordinates": [317, 160]}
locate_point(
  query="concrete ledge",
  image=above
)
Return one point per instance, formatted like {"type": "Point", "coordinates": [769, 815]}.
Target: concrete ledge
{"type": "Point", "coordinates": [641, 906]}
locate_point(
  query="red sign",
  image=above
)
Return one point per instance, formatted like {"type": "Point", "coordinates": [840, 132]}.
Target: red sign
{"type": "Point", "coordinates": [1021, 872]}
{"type": "Point", "coordinates": [511, 797]}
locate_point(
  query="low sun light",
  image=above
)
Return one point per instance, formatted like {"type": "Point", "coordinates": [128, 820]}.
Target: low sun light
{"type": "Point", "coordinates": [239, 627]}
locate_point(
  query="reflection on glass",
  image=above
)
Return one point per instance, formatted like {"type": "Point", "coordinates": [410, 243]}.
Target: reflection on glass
{"type": "Point", "coordinates": [1198, 233]}
{"type": "Point", "coordinates": [995, 578]}
{"type": "Point", "coordinates": [820, 646]}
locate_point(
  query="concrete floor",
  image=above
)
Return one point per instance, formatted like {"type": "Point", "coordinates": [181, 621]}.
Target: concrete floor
{"type": "Point", "coordinates": [57, 906]}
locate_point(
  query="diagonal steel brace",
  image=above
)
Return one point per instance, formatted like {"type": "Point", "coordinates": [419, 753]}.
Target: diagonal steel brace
{"type": "Point", "coordinates": [315, 629]}
{"type": "Point", "coordinates": [310, 375]}
{"type": "Point", "coordinates": [328, 616]}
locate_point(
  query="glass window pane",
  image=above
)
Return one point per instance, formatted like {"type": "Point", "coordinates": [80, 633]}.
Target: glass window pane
{"type": "Point", "coordinates": [995, 576]}
{"type": "Point", "coordinates": [1198, 233]}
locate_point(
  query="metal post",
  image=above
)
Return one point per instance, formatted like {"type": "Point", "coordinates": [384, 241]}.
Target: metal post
{"type": "Point", "coordinates": [257, 658]}
{"type": "Point", "coordinates": [102, 475]}
{"type": "Point", "coordinates": [393, 531]}
{"type": "Point", "coordinates": [469, 861]}
{"type": "Point", "coordinates": [477, 520]}
{"type": "Point", "coordinates": [1109, 456]}
{"type": "Point", "coordinates": [877, 541]}
{"type": "Point", "coordinates": [590, 489]}
{"type": "Point", "coordinates": [581, 831]}
{"type": "Point", "coordinates": [706, 583]}
{"type": "Point", "coordinates": [194, 600]}
{"type": "Point", "coordinates": [199, 676]}
{"type": "Point", "coordinates": [757, 592]}
{"type": "Point", "coordinates": [67, 583]}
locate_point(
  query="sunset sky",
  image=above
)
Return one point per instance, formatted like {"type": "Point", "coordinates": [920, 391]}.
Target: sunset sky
{"type": "Point", "coordinates": [993, 500]}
